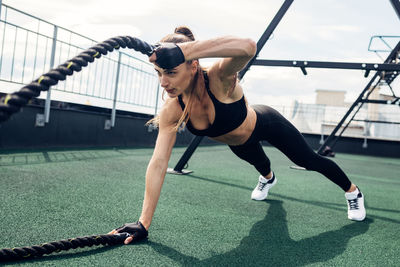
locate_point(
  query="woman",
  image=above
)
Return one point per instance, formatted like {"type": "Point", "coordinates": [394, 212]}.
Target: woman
{"type": "Point", "coordinates": [211, 103]}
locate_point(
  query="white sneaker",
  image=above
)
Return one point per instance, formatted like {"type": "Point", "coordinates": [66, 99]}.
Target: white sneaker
{"type": "Point", "coordinates": [355, 205]}
{"type": "Point", "coordinates": [262, 188]}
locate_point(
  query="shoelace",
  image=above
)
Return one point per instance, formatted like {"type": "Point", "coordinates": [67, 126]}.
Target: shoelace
{"type": "Point", "coordinates": [353, 203]}
{"type": "Point", "coordinates": [261, 185]}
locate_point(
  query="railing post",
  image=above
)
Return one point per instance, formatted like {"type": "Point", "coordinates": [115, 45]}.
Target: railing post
{"type": "Point", "coordinates": [156, 107]}
{"type": "Point", "coordinates": [151, 126]}
{"type": "Point", "coordinates": [48, 97]}
{"type": "Point", "coordinates": [321, 141]}
{"type": "Point", "coordinates": [113, 113]}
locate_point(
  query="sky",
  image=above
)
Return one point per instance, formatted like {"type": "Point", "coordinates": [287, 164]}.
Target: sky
{"type": "Point", "coordinates": [320, 30]}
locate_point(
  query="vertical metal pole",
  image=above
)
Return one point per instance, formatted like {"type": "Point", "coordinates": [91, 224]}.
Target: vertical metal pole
{"type": "Point", "coordinates": [178, 169]}
{"type": "Point", "coordinates": [2, 45]}
{"type": "Point", "coordinates": [158, 91]}
{"type": "Point", "coordinates": [0, 7]}
{"type": "Point", "coordinates": [151, 126]}
{"type": "Point", "coordinates": [264, 38]}
{"type": "Point", "coordinates": [113, 113]}
{"type": "Point", "coordinates": [366, 131]}
{"type": "Point", "coordinates": [321, 141]}
{"type": "Point", "coordinates": [48, 97]}
{"type": "Point", "coordinates": [396, 6]}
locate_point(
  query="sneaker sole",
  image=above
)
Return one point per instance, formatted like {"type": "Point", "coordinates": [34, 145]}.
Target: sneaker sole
{"type": "Point", "coordinates": [356, 219]}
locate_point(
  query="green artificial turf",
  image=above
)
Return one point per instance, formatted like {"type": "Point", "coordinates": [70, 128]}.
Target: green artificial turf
{"type": "Point", "coordinates": [203, 219]}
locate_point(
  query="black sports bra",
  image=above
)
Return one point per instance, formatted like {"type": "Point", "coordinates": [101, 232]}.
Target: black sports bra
{"type": "Point", "coordinates": [227, 116]}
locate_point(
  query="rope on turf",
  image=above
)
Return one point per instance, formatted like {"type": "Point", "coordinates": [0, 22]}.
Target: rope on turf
{"type": "Point", "coordinates": [12, 103]}
{"type": "Point", "coordinates": [57, 246]}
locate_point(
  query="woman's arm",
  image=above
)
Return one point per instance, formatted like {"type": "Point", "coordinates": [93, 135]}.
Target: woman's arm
{"type": "Point", "coordinates": [157, 166]}
{"type": "Point", "coordinates": [156, 172]}
{"type": "Point", "coordinates": [159, 161]}
{"type": "Point", "coordinates": [236, 52]}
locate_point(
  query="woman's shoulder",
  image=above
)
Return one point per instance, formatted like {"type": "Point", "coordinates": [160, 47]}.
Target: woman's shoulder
{"type": "Point", "coordinates": [171, 110]}
{"type": "Point", "coordinates": [223, 87]}
{"type": "Point", "coordinates": [172, 102]}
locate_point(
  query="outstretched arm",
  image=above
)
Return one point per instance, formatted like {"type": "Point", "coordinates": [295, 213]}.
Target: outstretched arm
{"type": "Point", "coordinates": [155, 174]}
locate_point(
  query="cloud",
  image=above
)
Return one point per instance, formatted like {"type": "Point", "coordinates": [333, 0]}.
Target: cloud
{"type": "Point", "coordinates": [103, 32]}
{"type": "Point", "coordinates": [329, 30]}
{"type": "Point", "coordinates": [334, 32]}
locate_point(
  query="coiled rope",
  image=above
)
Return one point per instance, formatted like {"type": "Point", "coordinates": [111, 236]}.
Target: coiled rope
{"type": "Point", "coordinates": [57, 246]}
{"type": "Point", "coordinates": [12, 103]}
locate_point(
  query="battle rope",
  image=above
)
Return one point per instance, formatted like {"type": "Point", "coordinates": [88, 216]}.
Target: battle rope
{"type": "Point", "coordinates": [57, 246]}
{"type": "Point", "coordinates": [12, 103]}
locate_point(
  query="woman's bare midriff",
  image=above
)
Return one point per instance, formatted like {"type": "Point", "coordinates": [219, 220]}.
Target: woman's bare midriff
{"type": "Point", "coordinates": [241, 134]}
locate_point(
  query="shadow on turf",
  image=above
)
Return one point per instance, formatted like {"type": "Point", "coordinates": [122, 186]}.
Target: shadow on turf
{"type": "Point", "coordinates": [334, 206]}
{"type": "Point", "coordinates": [269, 244]}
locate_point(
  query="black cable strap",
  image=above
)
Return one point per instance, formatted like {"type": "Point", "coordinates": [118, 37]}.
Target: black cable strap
{"type": "Point", "coordinates": [12, 103]}
{"type": "Point", "coordinates": [57, 246]}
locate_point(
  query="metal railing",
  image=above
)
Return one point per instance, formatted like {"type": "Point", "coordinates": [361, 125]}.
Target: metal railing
{"type": "Point", "coordinates": [375, 121]}
{"type": "Point", "coordinates": [31, 46]}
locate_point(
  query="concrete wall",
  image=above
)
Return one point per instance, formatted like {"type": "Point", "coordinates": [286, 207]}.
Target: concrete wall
{"type": "Point", "coordinates": [76, 128]}
{"type": "Point", "coordinates": [72, 128]}
{"type": "Point", "coordinates": [351, 145]}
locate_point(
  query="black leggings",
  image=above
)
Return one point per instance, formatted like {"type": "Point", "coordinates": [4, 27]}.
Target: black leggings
{"type": "Point", "coordinates": [279, 132]}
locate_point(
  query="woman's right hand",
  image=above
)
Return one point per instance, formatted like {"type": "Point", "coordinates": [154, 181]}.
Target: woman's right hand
{"type": "Point", "coordinates": [136, 229]}
{"type": "Point", "coordinates": [167, 55]}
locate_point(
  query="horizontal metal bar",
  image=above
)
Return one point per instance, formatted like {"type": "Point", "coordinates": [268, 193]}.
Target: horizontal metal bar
{"type": "Point", "coordinates": [385, 122]}
{"type": "Point", "coordinates": [381, 37]}
{"type": "Point", "coordinates": [72, 45]}
{"type": "Point", "coordinates": [377, 101]}
{"type": "Point", "coordinates": [78, 47]}
{"type": "Point", "coordinates": [29, 15]}
{"type": "Point", "coordinates": [25, 29]}
{"type": "Point", "coordinates": [326, 64]}
{"type": "Point", "coordinates": [83, 94]}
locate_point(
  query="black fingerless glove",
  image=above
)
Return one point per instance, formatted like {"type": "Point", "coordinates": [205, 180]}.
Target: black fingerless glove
{"type": "Point", "coordinates": [136, 229]}
{"type": "Point", "coordinates": [169, 55]}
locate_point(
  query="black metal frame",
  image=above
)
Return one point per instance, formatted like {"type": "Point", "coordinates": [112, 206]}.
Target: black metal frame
{"type": "Point", "coordinates": [396, 6]}
{"type": "Point", "coordinates": [328, 65]}
{"type": "Point", "coordinates": [387, 76]}
{"type": "Point", "coordinates": [268, 32]}
{"type": "Point", "coordinates": [387, 71]}
{"type": "Point", "coordinates": [178, 169]}
{"type": "Point", "coordinates": [363, 98]}
{"type": "Point", "coordinates": [260, 44]}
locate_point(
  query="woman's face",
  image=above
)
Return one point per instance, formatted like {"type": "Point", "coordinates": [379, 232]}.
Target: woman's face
{"type": "Point", "coordinates": [177, 80]}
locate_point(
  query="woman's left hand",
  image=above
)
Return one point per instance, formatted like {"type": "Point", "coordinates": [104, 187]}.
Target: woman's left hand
{"type": "Point", "coordinates": [137, 231]}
